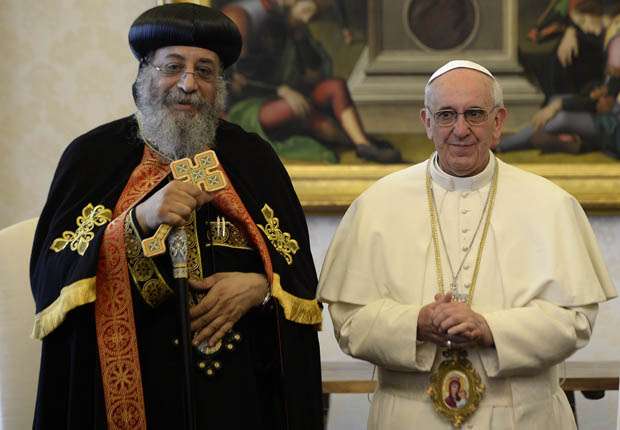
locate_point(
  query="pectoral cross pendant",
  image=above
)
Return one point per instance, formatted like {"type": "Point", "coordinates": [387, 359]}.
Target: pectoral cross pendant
{"type": "Point", "coordinates": [456, 296]}
{"type": "Point", "coordinates": [460, 297]}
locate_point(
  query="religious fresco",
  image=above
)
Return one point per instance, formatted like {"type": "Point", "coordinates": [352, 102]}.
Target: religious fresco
{"type": "Point", "coordinates": [289, 85]}
{"type": "Point", "coordinates": [570, 50]}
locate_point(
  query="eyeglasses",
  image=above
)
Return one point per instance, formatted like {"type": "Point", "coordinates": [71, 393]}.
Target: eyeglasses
{"type": "Point", "coordinates": [178, 70]}
{"type": "Point", "coordinates": [448, 117]}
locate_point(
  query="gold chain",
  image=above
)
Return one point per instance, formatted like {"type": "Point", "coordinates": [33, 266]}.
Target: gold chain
{"type": "Point", "coordinates": [434, 218]}
{"type": "Point", "coordinates": [434, 233]}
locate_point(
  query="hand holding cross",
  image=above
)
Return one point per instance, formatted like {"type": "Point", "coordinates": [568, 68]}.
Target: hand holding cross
{"type": "Point", "coordinates": [193, 186]}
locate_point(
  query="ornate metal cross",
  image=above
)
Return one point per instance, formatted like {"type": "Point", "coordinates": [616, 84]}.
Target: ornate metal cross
{"type": "Point", "coordinates": [205, 174]}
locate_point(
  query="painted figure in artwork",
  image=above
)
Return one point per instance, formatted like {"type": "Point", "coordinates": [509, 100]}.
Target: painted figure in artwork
{"type": "Point", "coordinates": [583, 121]}
{"type": "Point", "coordinates": [283, 89]}
{"type": "Point", "coordinates": [575, 30]}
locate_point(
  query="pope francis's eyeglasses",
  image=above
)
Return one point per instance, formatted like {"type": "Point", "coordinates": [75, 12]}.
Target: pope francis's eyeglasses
{"type": "Point", "coordinates": [448, 117]}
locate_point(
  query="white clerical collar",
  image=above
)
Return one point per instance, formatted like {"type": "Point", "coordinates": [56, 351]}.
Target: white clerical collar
{"type": "Point", "coordinates": [468, 183]}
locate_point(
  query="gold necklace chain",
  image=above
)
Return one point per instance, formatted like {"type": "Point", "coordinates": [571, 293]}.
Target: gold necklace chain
{"type": "Point", "coordinates": [164, 158]}
{"type": "Point", "coordinates": [455, 276]}
{"type": "Point", "coordinates": [435, 227]}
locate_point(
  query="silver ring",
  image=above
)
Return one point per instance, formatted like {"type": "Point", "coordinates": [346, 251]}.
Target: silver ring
{"type": "Point", "coordinates": [449, 343]}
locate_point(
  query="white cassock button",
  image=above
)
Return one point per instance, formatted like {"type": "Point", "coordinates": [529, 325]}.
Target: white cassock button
{"type": "Point", "coordinates": [464, 230]}
{"type": "Point", "coordinates": [467, 285]}
{"type": "Point", "coordinates": [464, 211]}
{"type": "Point", "coordinates": [466, 266]}
{"type": "Point", "coordinates": [464, 195]}
{"type": "Point", "coordinates": [465, 248]}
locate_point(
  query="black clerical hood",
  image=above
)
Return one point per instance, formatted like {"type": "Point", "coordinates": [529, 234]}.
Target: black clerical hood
{"type": "Point", "coordinates": [185, 24]}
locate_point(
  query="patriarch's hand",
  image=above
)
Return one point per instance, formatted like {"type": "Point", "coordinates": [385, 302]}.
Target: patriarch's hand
{"type": "Point", "coordinates": [229, 296]}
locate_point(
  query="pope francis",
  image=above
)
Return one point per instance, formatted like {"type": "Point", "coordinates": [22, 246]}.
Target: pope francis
{"type": "Point", "coordinates": [465, 280]}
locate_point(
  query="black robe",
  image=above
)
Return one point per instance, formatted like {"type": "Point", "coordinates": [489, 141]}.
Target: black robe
{"type": "Point", "coordinates": [251, 389]}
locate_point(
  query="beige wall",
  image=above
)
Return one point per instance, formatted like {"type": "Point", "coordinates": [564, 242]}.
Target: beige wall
{"type": "Point", "coordinates": [66, 67]}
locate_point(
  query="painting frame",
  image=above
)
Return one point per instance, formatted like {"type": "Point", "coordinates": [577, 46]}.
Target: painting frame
{"type": "Point", "coordinates": [332, 188]}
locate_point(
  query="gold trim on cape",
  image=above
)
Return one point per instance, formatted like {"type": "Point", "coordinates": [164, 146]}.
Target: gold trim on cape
{"type": "Point", "coordinates": [281, 241]}
{"type": "Point", "coordinates": [144, 272]}
{"type": "Point", "coordinates": [302, 311]}
{"type": "Point", "coordinates": [78, 241]}
{"type": "Point", "coordinates": [76, 294]}
{"type": "Point", "coordinates": [194, 257]}
{"type": "Point", "coordinates": [226, 234]}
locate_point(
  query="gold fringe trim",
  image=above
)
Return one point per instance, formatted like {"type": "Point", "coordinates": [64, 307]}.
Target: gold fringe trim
{"type": "Point", "coordinates": [302, 311]}
{"type": "Point", "coordinates": [77, 294]}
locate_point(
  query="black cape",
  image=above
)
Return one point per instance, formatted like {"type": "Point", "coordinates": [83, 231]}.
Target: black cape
{"type": "Point", "coordinates": [94, 169]}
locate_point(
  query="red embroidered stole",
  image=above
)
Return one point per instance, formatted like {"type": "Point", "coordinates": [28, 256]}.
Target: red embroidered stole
{"type": "Point", "coordinates": [114, 319]}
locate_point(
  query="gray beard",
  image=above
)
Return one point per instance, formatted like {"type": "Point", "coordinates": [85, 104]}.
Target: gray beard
{"type": "Point", "coordinates": [177, 134]}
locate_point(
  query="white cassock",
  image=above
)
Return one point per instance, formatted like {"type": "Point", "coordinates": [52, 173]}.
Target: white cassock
{"type": "Point", "coordinates": [541, 278]}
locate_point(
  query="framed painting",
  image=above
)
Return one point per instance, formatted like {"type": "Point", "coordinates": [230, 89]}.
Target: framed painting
{"type": "Point", "coordinates": [336, 86]}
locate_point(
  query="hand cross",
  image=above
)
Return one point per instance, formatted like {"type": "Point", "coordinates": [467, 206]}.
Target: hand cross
{"type": "Point", "coordinates": [204, 173]}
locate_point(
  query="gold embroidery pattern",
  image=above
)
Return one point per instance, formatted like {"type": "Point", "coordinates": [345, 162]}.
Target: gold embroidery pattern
{"type": "Point", "coordinates": [155, 291]}
{"type": "Point", "coordinates": [114, 307]}
{"type": "Point", "coordinates": [146, 276]}
{"type": "Point", "coordinates": [92, 216]}
{"type": "Point", "coordinates": [194, 259]}
{"type": "Point", "coordinates": [226, 234]}
{"type": "Point", "coordinates": [283, 243]}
